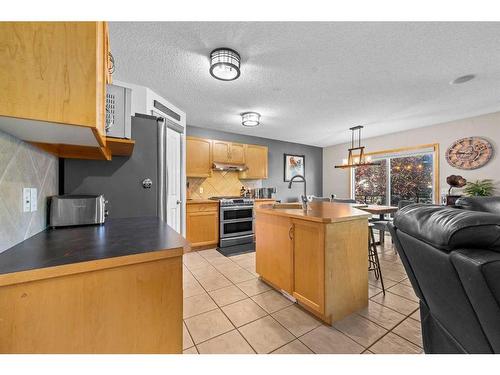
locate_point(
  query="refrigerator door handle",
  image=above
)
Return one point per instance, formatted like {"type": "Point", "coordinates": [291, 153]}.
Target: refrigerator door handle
{"type": "Point", "coordinates": [161, 168]}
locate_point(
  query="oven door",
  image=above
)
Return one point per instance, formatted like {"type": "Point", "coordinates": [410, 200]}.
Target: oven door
{"type": "Point", "coordinates": [235, 228]}
{"type": "Point", "coordinates": [236, 213]}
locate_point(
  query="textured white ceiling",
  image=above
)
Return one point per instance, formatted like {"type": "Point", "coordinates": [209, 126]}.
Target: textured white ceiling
{"type": "Point", "coordinates": [312, 81]}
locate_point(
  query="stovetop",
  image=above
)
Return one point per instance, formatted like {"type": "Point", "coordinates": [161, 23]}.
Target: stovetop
{"type": "Point", "coordinates": [233, 201]}
{"type": "Point", "coordinates": [218, 198]}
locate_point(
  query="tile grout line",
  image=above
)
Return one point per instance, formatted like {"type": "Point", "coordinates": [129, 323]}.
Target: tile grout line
{"type": "Point", "coordinates": [406, 316]}
{"type": "Point", "coordinates": [267, 314]}
{"type": "Point", "coordinates": [219, 308]}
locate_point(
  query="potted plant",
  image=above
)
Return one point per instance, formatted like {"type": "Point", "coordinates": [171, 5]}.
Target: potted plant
{"type": "Point", "coordinates": [480, 188]}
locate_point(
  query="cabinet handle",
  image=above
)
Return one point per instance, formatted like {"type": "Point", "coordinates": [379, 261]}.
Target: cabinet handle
{"type": "Point", "coordinates": [290, 232]}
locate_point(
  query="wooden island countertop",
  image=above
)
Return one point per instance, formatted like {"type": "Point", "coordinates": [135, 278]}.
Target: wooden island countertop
{"type": "Point", "coordinates": [322, 212]}
{"type": "Point", "coordinates": [318, 256]}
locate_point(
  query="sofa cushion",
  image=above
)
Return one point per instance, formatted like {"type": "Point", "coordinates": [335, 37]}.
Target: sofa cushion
{"type": "Point", "coordinates": [448, 228]}
{"type": "Point", "coordinates": [484, 204]}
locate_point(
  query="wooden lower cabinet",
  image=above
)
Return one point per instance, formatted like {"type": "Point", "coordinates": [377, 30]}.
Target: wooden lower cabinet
{"type": "Point", "coordinates": [309, 264]}
{"type": "Point", "coordinates": [324, 266]}
{"type": "Point", "coordinates": [129, 308]}
{"type": "Point", "coordinates": [202, 224]}
{"type": "Point", "coordinates": [274, 256]}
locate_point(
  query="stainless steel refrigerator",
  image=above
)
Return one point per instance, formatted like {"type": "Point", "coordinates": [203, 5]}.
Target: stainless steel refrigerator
{"type": "Point", "coordinates": [134, 186]}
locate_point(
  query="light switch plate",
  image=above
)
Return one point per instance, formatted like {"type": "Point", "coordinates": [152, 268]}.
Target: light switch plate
{"type": "Point", "coordinates": [34, 199]}
{"type": "Point", "coordinates": [26, 199]}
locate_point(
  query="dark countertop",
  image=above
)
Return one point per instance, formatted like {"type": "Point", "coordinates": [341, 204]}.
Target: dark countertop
{"type": "Point", "coordinates": [116, 238]}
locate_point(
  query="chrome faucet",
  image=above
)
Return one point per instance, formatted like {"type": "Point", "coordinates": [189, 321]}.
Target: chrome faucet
{"type": "Point", "coordinates": [303, 197]}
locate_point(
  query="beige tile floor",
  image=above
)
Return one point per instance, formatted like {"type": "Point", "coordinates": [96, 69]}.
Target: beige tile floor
{"type": "Point", "coordinates": [227, 309]}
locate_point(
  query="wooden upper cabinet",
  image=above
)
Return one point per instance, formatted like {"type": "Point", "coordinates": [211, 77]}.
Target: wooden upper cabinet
{"type": "Point", "coordinates": [201, 153]}
{"type": "Point", "coordinates": [53, 79]}
{"type": "Point", "coordinates": [237, 153]}
{"type": "Point", "coordinates": [257, 162]}
{"type": "Point", "coordinates": [228, 152]}
{"type": "Point", "coordinates": [198, 157]}
{"type": "Point", "coordinates": [221, 151]}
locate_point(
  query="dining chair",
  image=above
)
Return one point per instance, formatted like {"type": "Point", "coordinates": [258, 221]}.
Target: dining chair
{"type": "Point", "coordinates": [319, 199]}
{"type": "Point", "coordinates": [381, 225]}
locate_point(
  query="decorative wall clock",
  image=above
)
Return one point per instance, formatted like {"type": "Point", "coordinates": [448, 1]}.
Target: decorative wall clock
{"type": "Point", "coordinates": [469, 153]}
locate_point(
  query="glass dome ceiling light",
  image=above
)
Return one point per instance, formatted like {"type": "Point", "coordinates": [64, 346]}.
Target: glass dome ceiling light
{"type": "Point", "coordinates": [250, 119]}
{"type": "Point", "coordinates": [225, 64]}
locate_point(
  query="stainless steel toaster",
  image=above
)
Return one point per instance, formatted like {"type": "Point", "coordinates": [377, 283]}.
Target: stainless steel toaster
{"type": "Point", "coordinates": [66, 210]}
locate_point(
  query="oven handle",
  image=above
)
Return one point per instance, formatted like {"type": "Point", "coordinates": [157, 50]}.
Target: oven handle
{"type": "Point", "coordinates": [234, 208]}
{"type": "Point", "coordinates": [239, 234]}
{"type": "Point", "coordinates": [237, 220]}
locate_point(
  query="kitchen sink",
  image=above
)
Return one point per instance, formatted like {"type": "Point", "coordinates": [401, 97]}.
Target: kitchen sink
{"type": "Point", "coordinates": [295, 205]}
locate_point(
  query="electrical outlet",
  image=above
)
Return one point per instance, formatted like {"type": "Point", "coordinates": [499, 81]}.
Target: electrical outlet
{"type": "Point", "coordinates": [201, 190]}
{"type": "Point", "coordinates": [34, 199]}
{"type": "Point", "coordinates": [26, 199]}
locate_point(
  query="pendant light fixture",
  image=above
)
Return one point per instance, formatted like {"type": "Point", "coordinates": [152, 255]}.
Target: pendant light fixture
{"type": "Point", "coordinates": [250, 119]}
{"type": "Point", "coordinates": [356, 160]}
{"type": "Point", "coordinates": [225, 64]}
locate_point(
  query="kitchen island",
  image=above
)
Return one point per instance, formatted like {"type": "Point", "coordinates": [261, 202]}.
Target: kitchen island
{"type": "Point", "coordinates": [318, 257]}
{"type": "Point", "coordinates": [115, 288]}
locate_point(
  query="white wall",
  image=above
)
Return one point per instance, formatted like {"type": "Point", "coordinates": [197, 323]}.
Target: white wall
{"type": "Point", "coordinates": [336, 181]}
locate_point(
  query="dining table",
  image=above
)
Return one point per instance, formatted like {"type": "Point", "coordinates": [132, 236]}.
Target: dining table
{"type": "Point", "coordinates": [376, 209]}
{"type": "Point", "coordinates": [380, 210]}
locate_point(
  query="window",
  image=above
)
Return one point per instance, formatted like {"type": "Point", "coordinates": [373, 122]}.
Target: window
{"type": "Point", "coordinates": [399, 175]}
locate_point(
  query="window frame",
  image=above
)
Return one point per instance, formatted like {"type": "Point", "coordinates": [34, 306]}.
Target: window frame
{"type": "Point", "coordinates": [434, 147]}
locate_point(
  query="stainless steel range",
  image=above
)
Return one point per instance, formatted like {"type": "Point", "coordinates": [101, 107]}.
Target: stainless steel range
{"type": "Point", "coordinates": [236, 220]}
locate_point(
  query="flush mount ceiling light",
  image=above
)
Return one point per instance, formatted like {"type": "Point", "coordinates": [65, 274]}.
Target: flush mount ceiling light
{"type": "Point", "coordinates": [250, 119]}
{"type": "Point", "coordinates": [225, 64]}
{"type": "Point", "coordinates": [462, 79]}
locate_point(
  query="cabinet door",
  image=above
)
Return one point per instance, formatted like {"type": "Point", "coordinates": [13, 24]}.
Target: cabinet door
{"type": "Point", "coordinates": [274, 260]}
{"type": "Point", "coordinates": [198, 161]}
{"type": "Point", "coordinates": [256, 161]}
{"type": "Point", "coordinates": [237, 153]}
{"type": "Point", "coordinates": [202, 227]}
{"type": "Point", "coordinates": [52, 71]}
{"type": "Point", "coordinates": [309, 264]}
{"type": "Point", "coordinates": [221, 151]}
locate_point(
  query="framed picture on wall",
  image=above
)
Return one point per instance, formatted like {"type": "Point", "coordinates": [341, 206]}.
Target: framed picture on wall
{"type": "Point", "coordinates": [294, 165]}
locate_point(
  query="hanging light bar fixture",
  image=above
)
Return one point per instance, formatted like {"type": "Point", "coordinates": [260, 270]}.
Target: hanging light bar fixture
{"type": "Point", "coordinates": [359, 159]}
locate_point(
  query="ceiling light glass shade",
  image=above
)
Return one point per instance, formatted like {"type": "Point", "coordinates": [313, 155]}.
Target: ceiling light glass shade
{"type": "Point", "coordinates": [224, 64]}
{"type": "Point", "coordinates": [250, 119]}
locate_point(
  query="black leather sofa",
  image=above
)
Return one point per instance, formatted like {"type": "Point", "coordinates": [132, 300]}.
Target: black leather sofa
{"type": "Point", "coordinates": [452, 258]}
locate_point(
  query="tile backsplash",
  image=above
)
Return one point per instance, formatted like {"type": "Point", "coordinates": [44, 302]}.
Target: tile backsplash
{"type": "Point", "coordinates": [220, 183]}
{"type": "Point", "coordinates": [22, 165]}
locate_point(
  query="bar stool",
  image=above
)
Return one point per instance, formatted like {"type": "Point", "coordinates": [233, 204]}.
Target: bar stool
{"type": "Point", "coordinates": [373, 262]}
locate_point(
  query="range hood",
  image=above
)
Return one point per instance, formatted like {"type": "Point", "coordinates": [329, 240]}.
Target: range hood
{"type": "Point", "coordinates": [229, 167]}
